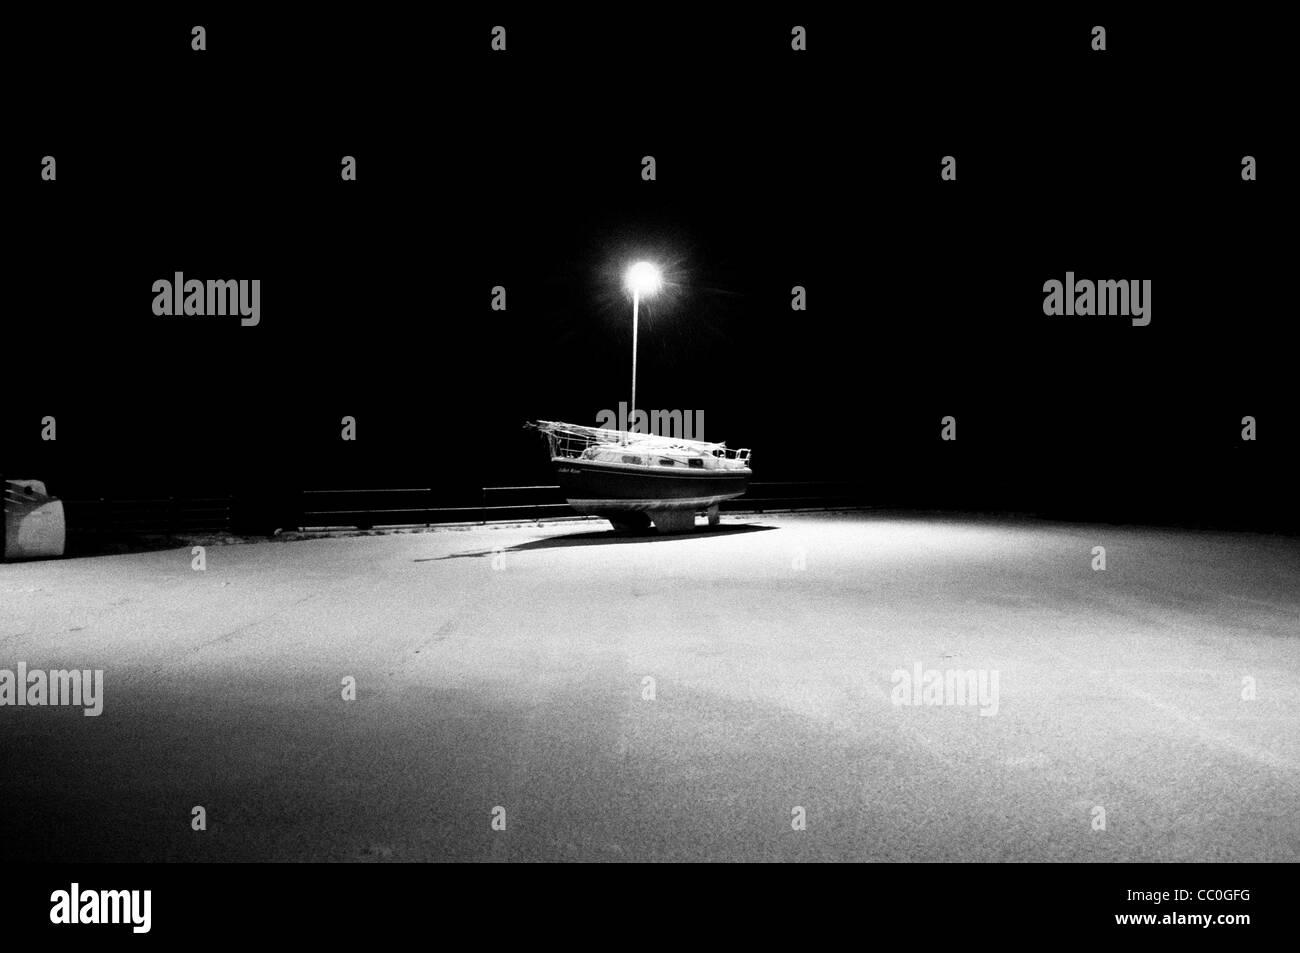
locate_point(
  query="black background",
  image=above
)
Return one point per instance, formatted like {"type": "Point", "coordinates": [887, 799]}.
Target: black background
{"type": "Point", "coordinates": [775, 168]}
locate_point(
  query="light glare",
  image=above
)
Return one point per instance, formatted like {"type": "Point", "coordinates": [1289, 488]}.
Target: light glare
{"type": "Point", "coordinates": [644, 278]}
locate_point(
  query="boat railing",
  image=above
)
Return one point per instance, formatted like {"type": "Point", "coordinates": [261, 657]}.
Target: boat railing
{"type": "Point", "coordinates": [577, 442]}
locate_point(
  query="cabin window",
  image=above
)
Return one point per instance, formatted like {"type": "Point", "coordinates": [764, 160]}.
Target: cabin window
{"type": "Point", "coordinates": [630, 459]}
{"type": "Point", "coordinates": [696, 462]}
{"type": "Point", "coordinates": [665, 462]}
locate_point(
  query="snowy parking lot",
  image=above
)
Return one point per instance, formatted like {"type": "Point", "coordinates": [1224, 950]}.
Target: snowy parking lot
{"type": "Point", "coordinates": [780, 688]}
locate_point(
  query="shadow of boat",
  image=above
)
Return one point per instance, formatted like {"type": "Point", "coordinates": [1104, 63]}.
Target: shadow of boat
{"type": "Point", "coordinates": [608, 538]}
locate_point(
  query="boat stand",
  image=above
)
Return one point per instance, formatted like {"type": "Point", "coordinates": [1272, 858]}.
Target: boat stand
{"type": "Point", "coordinates": [673, 521]}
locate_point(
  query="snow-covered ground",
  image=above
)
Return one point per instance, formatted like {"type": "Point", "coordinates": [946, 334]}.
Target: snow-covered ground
{"type": "Point", "coordinates": [625, 698]}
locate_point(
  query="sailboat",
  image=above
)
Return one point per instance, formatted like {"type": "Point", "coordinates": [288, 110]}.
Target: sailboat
{"type": "Point", "coordinates": [634, 479]}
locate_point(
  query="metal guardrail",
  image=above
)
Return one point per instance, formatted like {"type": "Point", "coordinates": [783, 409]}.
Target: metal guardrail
{"type": "Point", "coordinates": [395, 506]}
{"type": "Point", "coordinates": [761, 498]}
{"type": "Point", "coordinates": [162, 516]}
{"type": "Point", "coordinates": [321, 508]}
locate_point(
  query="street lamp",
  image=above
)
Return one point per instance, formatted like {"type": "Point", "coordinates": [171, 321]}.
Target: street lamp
{"type": "Point", "coordinates": [643, 278]}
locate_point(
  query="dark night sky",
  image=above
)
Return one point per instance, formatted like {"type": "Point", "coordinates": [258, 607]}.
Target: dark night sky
{"type": "Point", "coordinates": [774, 169]}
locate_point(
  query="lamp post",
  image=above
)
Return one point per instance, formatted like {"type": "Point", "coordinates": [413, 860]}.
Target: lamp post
{"type": "Point", "coordinates": [643, 278]}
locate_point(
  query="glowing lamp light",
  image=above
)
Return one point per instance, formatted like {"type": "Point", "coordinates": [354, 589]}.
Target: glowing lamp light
{"type": "Point", "coordinates": [643, 279]}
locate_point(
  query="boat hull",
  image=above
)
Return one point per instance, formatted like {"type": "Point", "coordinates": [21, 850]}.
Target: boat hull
{"type": "Point", "coordinates": [600, 488]}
